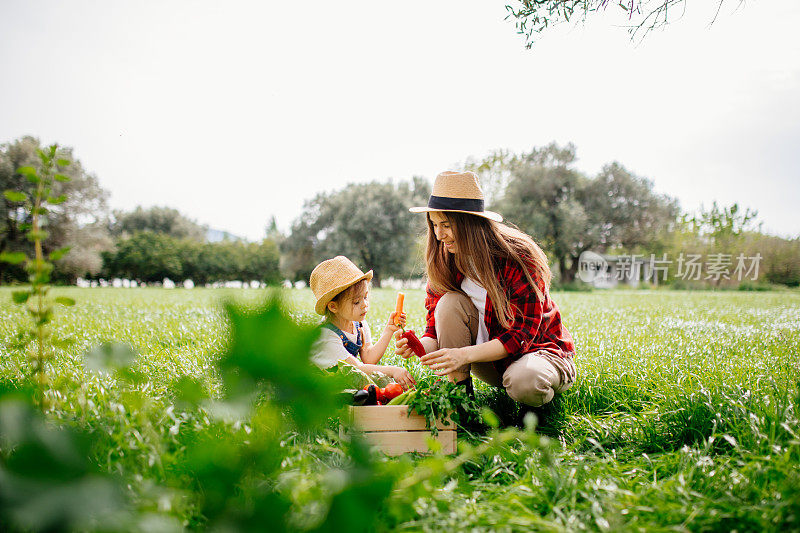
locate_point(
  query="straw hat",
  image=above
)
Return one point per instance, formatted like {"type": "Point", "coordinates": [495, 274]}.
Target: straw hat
{"type": "Point", "coordinates": [459, 192]}
{"type": "Point", "coordinates": [331, 277]}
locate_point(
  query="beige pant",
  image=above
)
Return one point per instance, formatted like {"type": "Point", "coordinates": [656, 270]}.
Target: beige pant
{"type": "Point", "coordinates": [533, 379]}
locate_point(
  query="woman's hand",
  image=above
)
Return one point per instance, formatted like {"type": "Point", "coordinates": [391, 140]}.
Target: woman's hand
{"type": "Point", "coordinates": [446, 361]}
{"type": "Point", "coordinates": [396, 322]}
{"type": "Point", "coordinates": [402, 376]}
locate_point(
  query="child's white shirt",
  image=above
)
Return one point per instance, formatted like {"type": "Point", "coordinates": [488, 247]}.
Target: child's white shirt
{"type": "Point", "coordinates": [329, 350]}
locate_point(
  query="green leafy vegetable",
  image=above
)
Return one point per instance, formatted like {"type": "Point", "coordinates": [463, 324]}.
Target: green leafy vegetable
{"type": "Point", "coordinates": [439, 398]}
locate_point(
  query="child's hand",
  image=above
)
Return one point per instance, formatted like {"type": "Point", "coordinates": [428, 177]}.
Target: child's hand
{"type": "Point", "coordinates": [401, 347]}
{"type": "Point", "coordinates": [402, 376]}
{"type": "Point", "coordinates": [395, 322]}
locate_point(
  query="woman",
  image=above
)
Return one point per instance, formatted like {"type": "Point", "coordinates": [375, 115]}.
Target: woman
{"type": "Point", "coordinates": [489, 309]}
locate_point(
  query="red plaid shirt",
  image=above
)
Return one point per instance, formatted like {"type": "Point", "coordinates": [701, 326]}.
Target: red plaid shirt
{"type": "Point", "coordinates": [535, 326]}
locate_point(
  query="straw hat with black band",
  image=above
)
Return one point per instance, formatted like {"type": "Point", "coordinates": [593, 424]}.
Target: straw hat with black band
{"type": "Point", "coordinates": [458, 192]}
{"type": "Point", "coordinates": [331, 277]}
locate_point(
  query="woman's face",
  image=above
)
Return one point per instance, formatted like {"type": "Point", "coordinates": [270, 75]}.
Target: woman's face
{"type": "Point", "coordinates": [443, 230]}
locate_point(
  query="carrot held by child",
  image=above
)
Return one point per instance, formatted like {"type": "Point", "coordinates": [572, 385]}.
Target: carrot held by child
{"type": "Point", "coordinates": [398, 309]}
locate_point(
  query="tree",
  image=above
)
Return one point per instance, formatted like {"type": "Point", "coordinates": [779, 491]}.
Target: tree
{"type": "Point", "coordinates": [151, 257]}
{"type": "Point", "coordinates": [156, 219]}
{"type": "Point", "coordinates": [533, 17]}
{"type": "Point", "coordinates": [369, 223]}
{"type": "Point", "coordinates": [570, 213]}
{"type": "Point", "coordinates": [723, 225]}
{"type": "Point", "coordinates": [146, 256]}
{"type": "Point", "coordinates": [623, 209]}
{"type": "Point", "coordinates": [78, 222]}
{"type": "Point", "coordinates": [494, 172]}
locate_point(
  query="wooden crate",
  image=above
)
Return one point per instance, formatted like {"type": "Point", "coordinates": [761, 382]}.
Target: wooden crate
{"type": "Point", "coordinates": [392, 431]}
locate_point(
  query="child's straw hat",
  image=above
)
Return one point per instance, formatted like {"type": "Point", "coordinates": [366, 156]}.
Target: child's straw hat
{"type": "Point", "coordinates": [331, 277]}
{"type": "Point", "coordinates": [459, 192]}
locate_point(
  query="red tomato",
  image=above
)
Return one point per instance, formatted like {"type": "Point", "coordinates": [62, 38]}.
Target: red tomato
{"type": "Point", "coordinates": [392, 390]}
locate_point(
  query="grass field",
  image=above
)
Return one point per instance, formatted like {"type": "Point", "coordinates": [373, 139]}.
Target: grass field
{"type": "Point", "coordinates": [684, 416]}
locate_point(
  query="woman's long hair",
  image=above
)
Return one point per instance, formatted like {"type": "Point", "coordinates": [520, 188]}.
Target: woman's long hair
{"type": "Point", "coordinates": [481, 246]}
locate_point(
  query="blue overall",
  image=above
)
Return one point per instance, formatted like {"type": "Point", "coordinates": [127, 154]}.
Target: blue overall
{"type": "Point", "coordinates": [352, 347]}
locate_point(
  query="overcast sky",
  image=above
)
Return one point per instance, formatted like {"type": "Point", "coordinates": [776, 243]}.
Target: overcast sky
{"type": "Point", "coordinates": [234, 111]}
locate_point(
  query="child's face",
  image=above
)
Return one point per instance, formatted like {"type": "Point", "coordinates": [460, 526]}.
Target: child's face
{"type": "Point", "coordinates": [359, 306]}
{"type": "Point", "coordinates": [353, 307]}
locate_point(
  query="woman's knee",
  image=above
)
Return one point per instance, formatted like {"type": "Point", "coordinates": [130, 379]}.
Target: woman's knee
{"type": "Point", "coordinates": [531, 380]}
{"type": "Point", "coordinates": [454, 309]}
{"type": "Point", "coordinates": [451, 304]}
{"type": "Point", "coordinates": [456, 320]}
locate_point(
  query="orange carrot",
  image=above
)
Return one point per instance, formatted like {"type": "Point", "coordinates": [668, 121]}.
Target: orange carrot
{"type": "Point", "coordinates": [399, 308]}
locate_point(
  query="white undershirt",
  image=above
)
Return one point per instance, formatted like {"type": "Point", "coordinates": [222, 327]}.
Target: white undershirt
{"type": "Point", "coordinates": [328, 349]}
{"type": "Point", "coordinates": [477, 294]}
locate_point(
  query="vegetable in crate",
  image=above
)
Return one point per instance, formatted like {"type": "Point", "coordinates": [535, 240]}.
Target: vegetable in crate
{"type": "Point", "coordinates": [440, 398]}
{"type": "Point", "coordinates": [392, 391]}
{"type": "Point", "coordinates": [357, 379]}
{"type": "Point", "coordinates": [360, 397]}
{"type": "Point", "coordinates": [372, 395]}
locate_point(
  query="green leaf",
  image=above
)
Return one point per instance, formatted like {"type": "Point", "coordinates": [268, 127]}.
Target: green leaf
{"type": "Point", "coordinates": [13, 258]}
{"type": "Point", "coordinates": [64, 162]}
{"type": "Point", "coordinates": [20, 297]}
{"type": "Point", "coordinates": [58, 254]}
{"type": "Point", "coordinates": [15, 196]}
{"type": "Point", "coordinates": [490, 418]}
{"type": "Point", "coordinates": [189, 391]}
{"type": "Point", "coordinates": [27, 171]}
{"type": "Point", "coordinates": [62, 178]}
{"type": "Point", "coordinates": [37, 235]}
{"type": "Point", "coordinates": [109, 356]}
{"type": "Point", "coordinates": [63, 300]}
{"type": "Point", "coordinates": [55, 200]}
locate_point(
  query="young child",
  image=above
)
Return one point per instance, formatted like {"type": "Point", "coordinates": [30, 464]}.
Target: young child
{"type": "Point", "coordinates": [342, 293]}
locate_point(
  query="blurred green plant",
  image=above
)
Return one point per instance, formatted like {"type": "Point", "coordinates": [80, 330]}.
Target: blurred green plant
{"type": "Point", "coordinates": [38, 339]}
{"type": "Point", "coordinates": [47, 482]}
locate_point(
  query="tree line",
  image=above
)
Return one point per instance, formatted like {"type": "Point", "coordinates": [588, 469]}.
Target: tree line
{"type": "Point", "coordinates": [567, 211]}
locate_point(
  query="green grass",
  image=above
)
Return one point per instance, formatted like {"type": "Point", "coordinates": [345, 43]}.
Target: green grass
{"type": "Point", "coordinates": [684, 415]}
